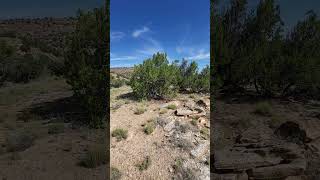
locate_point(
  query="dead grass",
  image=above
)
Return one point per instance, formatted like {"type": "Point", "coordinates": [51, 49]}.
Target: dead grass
{"type": "Point", "coordinates": [139, 110]}
{"type": "Point", "coordinates": [172, 106]}
{"type": "Point", "coordinates": [149, 127]}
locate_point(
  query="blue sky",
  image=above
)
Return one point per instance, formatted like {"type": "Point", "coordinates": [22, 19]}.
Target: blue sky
{"type": "Point", "coordinates": [140, 28]}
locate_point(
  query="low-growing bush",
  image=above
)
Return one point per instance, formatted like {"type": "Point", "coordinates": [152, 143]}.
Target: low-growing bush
{"type": "Point", "coordinates": [117, 82]}
{"type": "Point", "coordinates": [139, 110]}
{"type": "Point", "coordinates": [144, 164]}
{"type": "Point", "coordinates": [172, 106]}
{"type": "Point", "coordinates": [96, 156]}
{"type": "Point", "coordinates": [120, 134]}
{"type": "Point", "coordinates": [163, 111]}
{"type": "Point", "coordinates": [149, 127]}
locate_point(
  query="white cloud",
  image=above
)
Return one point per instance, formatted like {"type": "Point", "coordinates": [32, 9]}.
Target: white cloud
{"type": "Point", "coordinates": [151, 47]}
{"type": "Point", "coordinates": [116, 35]}
{"type": "Point", "coordinates": [200, 55]}
{"type": "Point", "coordinates": [138, 32]}
{"type": "Point", "coordinates": [114, 57]}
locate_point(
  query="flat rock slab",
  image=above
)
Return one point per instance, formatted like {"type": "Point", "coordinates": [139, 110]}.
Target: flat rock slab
{"type": "Point", "coordinates": [183, 112]}
{"type": "Point", "coordinates": [200, 150]}
{"type": "Point", "coordinates": [312, 128]}
{"type": "Point", "coordinates": [242, 176]}
{"type": "Point", "coordinates": [295, 168]}
{"type": "Point", "coordinates": [237, 161]}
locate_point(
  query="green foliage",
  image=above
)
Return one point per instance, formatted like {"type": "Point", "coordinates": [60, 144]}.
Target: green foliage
{"type": "Point", "coordinates": [149, 127]}
{"type": "Point", "coordinates": [250, 49]}
{"type": "Point", "coordinates": [155, 78]}
{"type": "Point", "coordinates": [172, 106]}
{"type": "Point", "coordinates": [117, 82]}
{"type": "Point", "coordinates": [86, 63]}
{"type": "Point", "coordinates": [120, 134]}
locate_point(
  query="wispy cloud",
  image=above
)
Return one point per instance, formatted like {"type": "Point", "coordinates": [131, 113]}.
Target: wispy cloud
{"type": "Point", "coordinates": [117, 35]}
{"type": "Point", "coordinates": [114, 57]}
{"type": "Point", "coordinates": [151, 47]}
{"type": "Point", "coordinates": [200, 55]}
{"type": "Point", "coordinates": [136, 33]}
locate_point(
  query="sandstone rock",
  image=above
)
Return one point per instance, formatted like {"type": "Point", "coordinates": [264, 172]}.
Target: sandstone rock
{"type": "Point", "coordinates": [255, 135]}
{"type": "Point", "coordinates": [190, 105]}
{"type": "Point", "coordinates": [183, 112]}
{"type": "Point", "coordinates": [200, 150]}
{"type": "Point", "coordinates": [168, 127]}
{"type": "Point", "coordinates": [294, 168]}
{"type": "Point", "coordinates": [241, 176]}
{"type": "Point", "coordinates": [238, 161]}
{"type": "Point", "coordinates": [163, 121]}
{"type": "Point", "coordinates": [296, 178]}
{"type": "Point", "coordinates": [292, 132]}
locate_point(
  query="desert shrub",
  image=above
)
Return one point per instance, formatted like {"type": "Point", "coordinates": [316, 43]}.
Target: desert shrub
{"type": "Point", "coordinates": [6, 50]}
{"type": "Point", "coordinates": [194, 121]}
{"type": "Point", "coordinates": [96, 156]}
{"type": "Point", "coordinates": [115, 173]}
{"type": "Point", "coordinates": [56, 128]}
{"type": "Point", "coordinates": [263, 108]}
{"type": "Point", "coordinates": [205, 133]}
{"type": "Point", "coordinates": [19, 140]}
{"type": "Point", "coordinates": [86, 63]}
{"type": "Point", "coordinates": [149, 127]}
{"type": "Point", "coordinates": [154, 78]}
{"type": "Point", "coordinates": [120, 134]}
{"type": "Point", "coordinates": [144, 165]}
{"type": "Point", "coordinates": [117, 82]}
{"type": "Point", "coordinates": [139, 110]}
{"type": "Point", "coordinates": [172, 106]}
{"type": "Point", "coordinates": [163, 111]}
{"type": "Point", "coordinates": [22, 69]}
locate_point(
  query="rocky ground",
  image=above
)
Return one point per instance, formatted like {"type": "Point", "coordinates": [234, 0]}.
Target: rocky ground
{"type": "Point", "coordinates": [177, 147]}
{"type": "Point", "coordinates": [275, 139]}
{"type": "Point", "coordinates": [38, 136]}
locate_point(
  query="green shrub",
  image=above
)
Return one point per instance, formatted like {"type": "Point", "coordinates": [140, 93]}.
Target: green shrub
{"type": "Point", "coordinates": [86, 65]}
{"type": "Point", "coordinates": [149, 127]}
{"type": "Point", "coordinates": [120, 134]}
{"type": "Point", "coordinates": [96, 156]}
{"type": "Point", "coordinates": [154, 78]}
{"type": "Point", "coordinates": [139, 110]}
{"type": "Point", "coordinates": [144, 164]}
{"type": "Point", "coordinates": [163, 111]}
{"type": "Point", "coordinates": [194, 122]}
{"type": "Point", "coordinates": [263, 108]}
{"type": "Point", "coordinates": [56, 67]}
{"type": "Point", "coordinates": [116, 82]}
{"type": "Point", "coordinates": [172, 106]}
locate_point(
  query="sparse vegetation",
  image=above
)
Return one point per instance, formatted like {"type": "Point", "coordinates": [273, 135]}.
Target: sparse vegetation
{"type": "Point", "coordinates": [163, 111]}
{"type": "Point", "coordinates": [96, 156]}
{"type": "Point", "coordinates": [149, 127]}
{"type": "Point", "coordinates": [144, 165]}
{"type": "Point", "coordinates": [139, 110]}
{"type": "Point", "coordinates": [194, 121]}
{"type": "Point", "coordinates": [115, 173]}
{"type": "Point", "coordinates": [263, 108]}
{"type": "Point", "coordinates": [172, 106]}
{"type": "Point", "coordinates": [120, 134]}
{"type": "Point", "coordinates": [205, 133]}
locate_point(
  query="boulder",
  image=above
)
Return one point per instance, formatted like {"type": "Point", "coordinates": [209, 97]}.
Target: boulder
{"type": "Point", "coordinates": [205, 103]}
{"type": "Point", "coordinates": [292, 132]}
{"type": "Point", "coordinates": [200, 150]}
{"type": "Point", "coordinates": [183, 112]}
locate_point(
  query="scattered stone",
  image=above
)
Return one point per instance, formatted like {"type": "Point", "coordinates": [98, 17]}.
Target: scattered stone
{"type": "Point", "coordinates": [200, 150]}
{"type": "Point", "coordinates": [183, 112]}
{"type": "Point", "coordinates": [204, 103]}
{"type": "Point", "coordinates": [168, 127]}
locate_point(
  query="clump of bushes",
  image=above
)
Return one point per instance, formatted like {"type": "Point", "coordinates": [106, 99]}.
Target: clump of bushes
{"type": "Point", "coordinates": [117, 82]}
{"type": "Point", "coordinates": [157, 78]}
{"type": "Point", "coordinates": [120, 134]}
{"type": "Point", "coordinates": [96, 156]}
